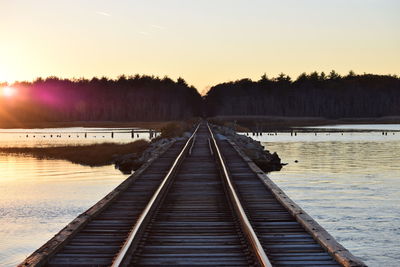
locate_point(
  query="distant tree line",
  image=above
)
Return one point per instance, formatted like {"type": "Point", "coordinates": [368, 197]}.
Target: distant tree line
{"type": "Point", "coordinates": [131, 98]}
{"type": "Point", "coordinates": [310, 95]}
{"type": "Point", "coordinates": [148, 98]}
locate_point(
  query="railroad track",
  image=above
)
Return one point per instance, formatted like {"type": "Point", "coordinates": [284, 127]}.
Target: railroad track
{"type": "Point", "coordinates": [199, 204]}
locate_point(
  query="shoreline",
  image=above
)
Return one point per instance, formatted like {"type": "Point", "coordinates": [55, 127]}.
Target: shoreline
{"type": "Point", "coordinates": [95, 155]}
{"type": "Point", "coordinates": [154, 125]}
{"type": "Point", "coordinates": [265, 123]}
{"type": "Point", "coordinates": [126, 157]}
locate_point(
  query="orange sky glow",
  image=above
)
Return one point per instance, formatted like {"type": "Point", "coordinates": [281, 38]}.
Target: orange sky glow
{"type": "Point", "coordinates": [205, 42]}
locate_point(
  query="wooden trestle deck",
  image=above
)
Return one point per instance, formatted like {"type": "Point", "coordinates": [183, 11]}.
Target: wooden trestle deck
{"type": "Point", "coordinates": [200, 202]}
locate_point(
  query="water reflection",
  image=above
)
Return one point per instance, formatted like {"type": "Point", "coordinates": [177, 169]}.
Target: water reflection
{"type": "Point", "coordinates": [326, 136]}
{"type": "Point", "coordinates": [349, 183]}
{"type": "Point", "coordinates": [379, 127]}
{"type": "Point", "coordinates": [351, 188]}
{"type": "Point", "coordinates": [70, 136]}
{"type": "Point", "coordinates": [39, 197]}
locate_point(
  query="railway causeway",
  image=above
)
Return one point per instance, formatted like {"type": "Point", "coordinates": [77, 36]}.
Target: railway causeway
{"type": "Point", "coordinates": [201, 201]}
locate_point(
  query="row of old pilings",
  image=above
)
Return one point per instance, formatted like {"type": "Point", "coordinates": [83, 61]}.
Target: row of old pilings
{"type": "Point", "coordinates": [292, 133]}
{"type": "Point", "coordinates": [256, 133]}
{"type": "Point", "coordinates": [152, 134]}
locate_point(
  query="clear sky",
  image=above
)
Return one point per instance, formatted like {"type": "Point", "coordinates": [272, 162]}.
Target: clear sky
{"type": "Point", "coordinates": [204, 41]}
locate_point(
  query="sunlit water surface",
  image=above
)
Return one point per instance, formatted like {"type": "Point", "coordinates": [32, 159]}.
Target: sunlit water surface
{"type": "Point", "coordinates": [39, 197]}
{"type": "Point", "coordinates": [69, 136]}
{"type": "Point", "coordinates": [349, 183]}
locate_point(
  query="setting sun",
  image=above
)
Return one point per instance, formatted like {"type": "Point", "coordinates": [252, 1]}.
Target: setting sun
{"type": "Point", "coordinates": [9, 91]}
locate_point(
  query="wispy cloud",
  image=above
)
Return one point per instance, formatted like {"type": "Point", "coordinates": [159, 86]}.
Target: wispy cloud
{"type": "Point", "coordinates": [103, 13]}
{"type": "Point", "coordinates": [144, 33]}
{"type": "Point", "coordinates": [157, 27]}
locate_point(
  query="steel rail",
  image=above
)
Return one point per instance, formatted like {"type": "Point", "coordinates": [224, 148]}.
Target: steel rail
{"type": "Point", "coordinates": [244, 221]}
{"type": "Point", "coordinates": [209, 146]}
{"type": "Point", "coordinates": [125, 248]}
{"type": "Point", "coordinates": [191, 147]}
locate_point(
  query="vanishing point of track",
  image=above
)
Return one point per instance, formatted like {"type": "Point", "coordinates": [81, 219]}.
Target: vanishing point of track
{"type": "Point", "coordinates": [199, 203]}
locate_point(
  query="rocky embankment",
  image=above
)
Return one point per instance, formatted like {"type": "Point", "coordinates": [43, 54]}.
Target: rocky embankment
{"type": "Point", "coordinates": [131, 162]}
{"type": "Point", "coordinates": [253, 149]}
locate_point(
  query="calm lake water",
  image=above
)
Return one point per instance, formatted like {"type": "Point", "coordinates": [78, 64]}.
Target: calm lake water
{"type": "Point", "coordinates": [68, 136]}
{"type": "Point", "coordinates": [39, 197]}
{"type": "Point", "coordinates": [349, 183]}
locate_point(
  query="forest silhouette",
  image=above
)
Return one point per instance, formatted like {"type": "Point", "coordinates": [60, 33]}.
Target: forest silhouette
{"type": "Point", "coordinates": [136, 98]}
{"type": "Point", "coordinates": [149, 98]}
{"type": "Point", "coordinates": [310, 95]}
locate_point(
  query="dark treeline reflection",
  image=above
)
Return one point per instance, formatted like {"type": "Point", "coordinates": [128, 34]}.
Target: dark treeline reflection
{"type": "Point", "coordinates": [126, 98]}
{"type": "Point", "coordinates": [310, 95]}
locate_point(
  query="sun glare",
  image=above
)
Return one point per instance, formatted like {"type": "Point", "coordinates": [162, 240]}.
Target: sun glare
{"type": "Point", "coordinates": [8, 91]}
